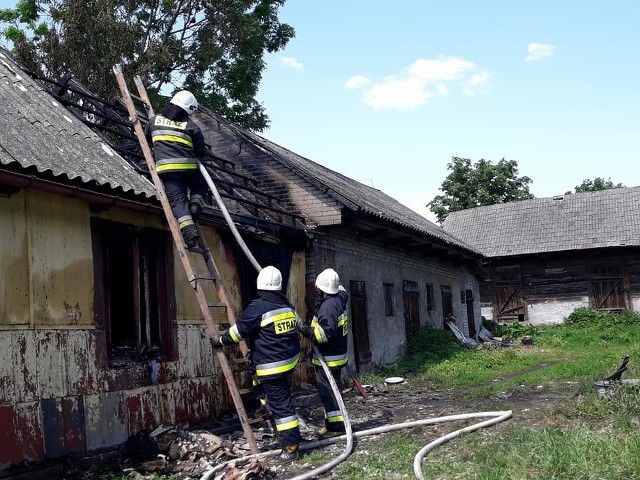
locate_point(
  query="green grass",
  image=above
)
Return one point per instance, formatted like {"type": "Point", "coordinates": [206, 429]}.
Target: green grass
{"type": "Point", "coordinates": [586, 436]}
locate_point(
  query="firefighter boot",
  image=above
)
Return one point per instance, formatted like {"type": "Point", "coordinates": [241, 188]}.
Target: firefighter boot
{"type": "Point", "coordinates": [196, 210]}
{"type": "Point", "coordinates": [324, 432]}
{"type": "Point", "coordinates": [191, 236]}
{"type": "Point", "coordinates": [289, 454]}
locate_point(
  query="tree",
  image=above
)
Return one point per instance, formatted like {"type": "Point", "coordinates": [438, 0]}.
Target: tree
{"type": "Point", "coordinates": [483, 183]}
{"type": "Point", "coordinates": [215, 48]}
{"type": "Point", "coordinates": [595, 185]}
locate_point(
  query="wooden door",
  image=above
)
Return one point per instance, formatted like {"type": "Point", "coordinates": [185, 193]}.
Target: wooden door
{"type": "Point", "coordinates": [471, 317]}
{"type": "Point", "coordinates": [360, 324]}
{"type": "Point", "coordinates": [411, 298]}
{"type": "Point", "coordinates": [607, 290]}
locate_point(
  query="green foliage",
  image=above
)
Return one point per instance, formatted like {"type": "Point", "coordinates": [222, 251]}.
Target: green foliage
{"type": "Point", "coordinates": [584, 316]}
{"type": "Point", "coordinates": [484, 183]}
{"type": "Point", "coordinates": [595, 185]}
{"type": "Point", "coordinates": [215, 49]}
{"type": "Point", "coordinates": [514, 331]}
{"type": "Point", "coordinates": [495, 328]}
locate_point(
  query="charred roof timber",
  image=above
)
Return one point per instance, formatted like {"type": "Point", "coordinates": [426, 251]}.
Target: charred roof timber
{"type": "Point", "coordinates": [110, 120]}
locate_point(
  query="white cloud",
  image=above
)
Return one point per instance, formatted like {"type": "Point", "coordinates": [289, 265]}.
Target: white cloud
{"type": "Point", "coordinates": [421, 81]}
{"type": "Point", "coordinates": [397, 93]}
{"type": "Point", "coordinates": [291, 62]}
{"type": "Point", "coordinates": [356, 81]}
{"type": "Point", "coordinates": [475, 83]}
{"type": "Point", "coordinates": [538, 51]}
{"type": "Point", "coordinates": [442, 68]}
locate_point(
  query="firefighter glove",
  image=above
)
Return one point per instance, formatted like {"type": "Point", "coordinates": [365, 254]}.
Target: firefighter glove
{"type": "Point", "coordinates": [216, 341]}
{"type": "Point", "coordinates": [305, 329]}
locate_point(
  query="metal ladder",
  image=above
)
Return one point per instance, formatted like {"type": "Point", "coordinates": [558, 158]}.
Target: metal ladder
{"type": "Point", "coordinates": [194, 278]}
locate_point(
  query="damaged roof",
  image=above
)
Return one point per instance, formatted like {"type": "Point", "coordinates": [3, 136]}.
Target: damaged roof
{"type": "Point", "coordinates": [350, 193]}
{"type": "Point", "coordinates": [579, 221]}
{"type": "Point", "coordinates": [39, 133]}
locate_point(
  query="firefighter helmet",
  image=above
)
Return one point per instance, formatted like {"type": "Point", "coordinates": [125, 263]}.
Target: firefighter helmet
{"type": "Point", "coordinates": [186, 101]}
{"type": "Point", "coordinates": [269, 278]}
{"type": "Point", "coordinates": [328, 281]}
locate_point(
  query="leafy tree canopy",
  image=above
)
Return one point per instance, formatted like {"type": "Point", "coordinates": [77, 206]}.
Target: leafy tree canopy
{"type": "Point", "coordinates": [594, 185]}
{"type": "Point", "coordinates": [215, 48]}
{"type": "Point", "coordinates": [483, 183]}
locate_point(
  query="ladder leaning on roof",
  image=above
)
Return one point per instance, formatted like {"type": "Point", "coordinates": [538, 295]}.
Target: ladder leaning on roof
{"type": "Point", "coordinates": [195, 280]}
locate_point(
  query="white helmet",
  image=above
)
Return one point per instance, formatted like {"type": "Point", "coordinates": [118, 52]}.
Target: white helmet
{"type": "Point", "coordinates": [186, 101]}
{"type": "Point", "coordinates": [269, 278]}
{"type": "Point", "coordinates": [328, 281]}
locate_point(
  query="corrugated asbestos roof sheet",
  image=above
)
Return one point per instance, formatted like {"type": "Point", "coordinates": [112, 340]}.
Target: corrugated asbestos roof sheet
{"type": "Point", "coordinates": [36, 131]}
{"type": "Point", "coordinates": [356, 195]}
{"type": "Point", "coordinates": [607, 218]}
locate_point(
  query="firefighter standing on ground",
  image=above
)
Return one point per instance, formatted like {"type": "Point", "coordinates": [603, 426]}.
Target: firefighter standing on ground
{"type": "Point", "coordinates": [269, 325]}
{"type": "Point", "coordinates": [329, 329]}
{"type": "Point", "coordinates": [178, 143]}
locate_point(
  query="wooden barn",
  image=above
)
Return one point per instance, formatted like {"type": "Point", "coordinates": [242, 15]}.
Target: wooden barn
{"type": "Point", "coordinates": [547, 256]}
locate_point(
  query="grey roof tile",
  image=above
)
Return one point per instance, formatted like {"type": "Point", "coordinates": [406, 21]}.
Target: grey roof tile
{"type": "Point", "coordinates": [358, 196]}
{"type": "Point", "coordinates": [606, 218]}
{"type": "Point", "coordinates": [40, 133]}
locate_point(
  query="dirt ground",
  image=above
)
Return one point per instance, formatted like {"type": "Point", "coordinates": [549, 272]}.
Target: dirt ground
{"type": "Point", "coordinates": [192, 454]}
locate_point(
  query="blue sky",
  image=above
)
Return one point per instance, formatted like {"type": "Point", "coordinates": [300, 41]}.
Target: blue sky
{"type": "Point", "coordinates": [386, 92]}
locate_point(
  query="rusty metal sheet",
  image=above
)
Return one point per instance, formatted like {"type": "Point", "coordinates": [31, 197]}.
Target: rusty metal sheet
{"type": "Point", "coordinates": [83, 375]}
{"type": "Point", "coordinates": [105, 420]}
{"type": "Point", "coordinates": [24, 358]}
{"type": "Point", "coordinates": [11, 451]}
{"type": "Point", "coordinates": [14, 262]}
{"type": "Point", "coordinates": [142, 410]}
{"type": "Point", "coordinates": [167, 402]}
{"type": "Point", "coordinates": [63, 423]}
{"type": "Point", "coordinates": [29, 431]}
{"type": "Point", "coordinates": [7, 382]}
{"type": "Point", "coordinates": [51, 364]}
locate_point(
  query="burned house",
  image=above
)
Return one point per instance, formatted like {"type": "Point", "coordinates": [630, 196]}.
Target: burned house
{"type": "Point", "coordinates": [548, 256]}
{"type": "Point", "coordinates": [401, 270]}
{"type": "Point", "coordinates": [102, 334]}
{"type": "Point", "coordinates": [100, 331]}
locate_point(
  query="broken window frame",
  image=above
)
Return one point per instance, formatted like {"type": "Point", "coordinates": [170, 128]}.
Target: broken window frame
{"type": "Point", "coordinates": [137, 324]}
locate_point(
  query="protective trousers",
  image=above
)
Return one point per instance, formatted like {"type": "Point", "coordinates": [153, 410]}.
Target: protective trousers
{"type": "Point", "coordinates": [178, 185]}
{"type": "Point", "coordinates": [284, 413]}
{"type": "Point", "coordinates": [333, 419]}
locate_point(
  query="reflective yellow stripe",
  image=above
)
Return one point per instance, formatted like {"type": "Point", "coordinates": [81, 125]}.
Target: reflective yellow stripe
{"type": "Point", "coordinates": [288, 425]}
{"type": "Point", "coordinates": [276, 367]}
{"type": "Point", "coordinates": [318, 331]}
{"type": "Point", "coordinates": [176, 166]}
{"type": "Point", "coordinates": [172, 138]}
{"type": "Point", "coordinates": [333, 360]}
{"type": "Point", "coordinates": [186, 223]}
{"type": "Point", "coordinates": [235, 334]}
{"type": "Point", "coordinates": [333, 417]}
{"type": "Point", "coordinates": [274, 315]}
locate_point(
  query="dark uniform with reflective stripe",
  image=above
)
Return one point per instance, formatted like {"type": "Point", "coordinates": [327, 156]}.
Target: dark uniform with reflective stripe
{"type": "Point", "coordinates": [269, 325]}
{"type": "Point", "coordinates": [177, 144]}
{"type": "Point", "coordinates": [330, 327]}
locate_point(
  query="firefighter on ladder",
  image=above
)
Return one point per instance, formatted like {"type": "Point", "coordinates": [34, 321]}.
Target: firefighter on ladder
{"type": "Point", "coordinates": [269, 325]}
{"type": "Point", "coordinates": [329, 329]}
{"type": "Point", "coordinates": [178, 143]}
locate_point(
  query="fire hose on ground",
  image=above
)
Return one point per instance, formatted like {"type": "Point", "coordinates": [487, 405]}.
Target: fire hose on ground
{"type": "Point", "coordinates": [495, 417]}
{"type": "Point", "coordinates": [349, 436]}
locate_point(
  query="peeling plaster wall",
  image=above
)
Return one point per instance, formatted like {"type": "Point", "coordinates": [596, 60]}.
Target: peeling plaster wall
{"type": "Point", "coordinates": [553, 311]}
{"type": "Point", "coordinates": [57, 393]}
{"type": "Point", "coordinates": [364, 260]}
